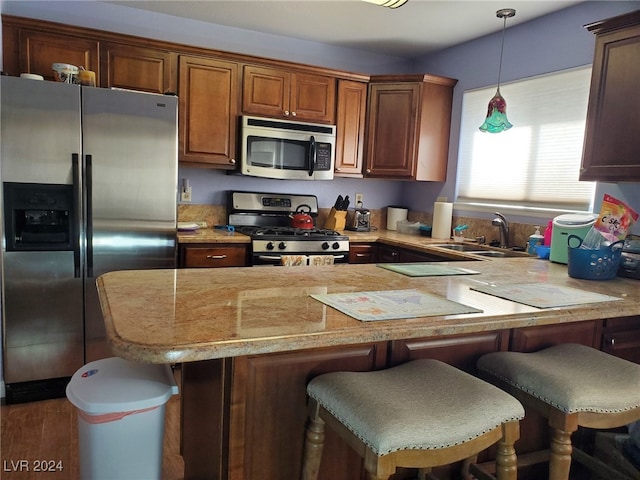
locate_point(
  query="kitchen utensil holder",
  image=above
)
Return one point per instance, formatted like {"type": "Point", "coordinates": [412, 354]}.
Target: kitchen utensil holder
{"type": "Point", "coordinates": [336, 220]}
{"type": "Point", "coordinates": [596, 264]}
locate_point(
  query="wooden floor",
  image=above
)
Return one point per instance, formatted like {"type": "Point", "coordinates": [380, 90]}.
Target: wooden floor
{"type": "Point", "coordinates": [48, 430]}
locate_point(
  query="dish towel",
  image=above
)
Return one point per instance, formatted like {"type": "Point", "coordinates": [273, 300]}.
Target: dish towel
{"type": "Point", "coordinates": [321, 260]}
{"type": "Point", "coordinates": [294, 260]}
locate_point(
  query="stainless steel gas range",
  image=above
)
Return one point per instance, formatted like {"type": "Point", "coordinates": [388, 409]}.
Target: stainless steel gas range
{"type": "Point", "coordinates": [268, 218]}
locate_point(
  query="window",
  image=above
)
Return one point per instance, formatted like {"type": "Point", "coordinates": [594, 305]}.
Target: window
{"type": "Point", "coordinates": [533, 166]}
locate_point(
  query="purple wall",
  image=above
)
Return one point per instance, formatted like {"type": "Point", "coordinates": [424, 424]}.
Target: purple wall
{"type": "Point", "coordinates": [553, 42]}
{"type": "Point", "coordinates": [550, 43]}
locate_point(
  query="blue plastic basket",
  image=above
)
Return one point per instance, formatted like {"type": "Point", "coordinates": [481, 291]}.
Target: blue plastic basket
{"type": "Point", "coordinates": [598, 264]}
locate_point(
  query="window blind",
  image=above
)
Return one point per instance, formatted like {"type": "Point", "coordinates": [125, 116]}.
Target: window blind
{"type": "Point", "coordinates": [535, 164]}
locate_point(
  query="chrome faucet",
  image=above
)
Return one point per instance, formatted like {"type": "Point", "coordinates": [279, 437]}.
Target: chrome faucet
{"type": "Point", "coordinates": [501, 222]}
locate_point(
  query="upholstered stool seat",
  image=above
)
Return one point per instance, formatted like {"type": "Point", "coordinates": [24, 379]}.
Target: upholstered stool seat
{"type": "Point", "coordinates": [571, 385]}
{"type": "Point", "coordinates": [420, 414]}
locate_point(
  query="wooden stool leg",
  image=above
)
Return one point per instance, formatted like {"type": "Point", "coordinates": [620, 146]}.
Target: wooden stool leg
{"type": "Point", "coordinates": [466, 464]}
{"type": "Point", "coordinates": [423, 472]}
{"type": "Point", "coordinates": [313, 445]}
{"type": "Point", "coordinates": [560, 455]}
{"type": "Point", "coordinates": [506, 461]}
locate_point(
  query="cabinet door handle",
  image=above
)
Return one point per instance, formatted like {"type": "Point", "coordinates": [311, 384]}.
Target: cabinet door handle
{"type": "Point", "coordinates": [216, 257]}
{"type": "Point", "coordinates": [286, 113]}
{"type": "Point", "coordinates": [612, 341]}
{"type": "Point", "coordinates": [232, 161]}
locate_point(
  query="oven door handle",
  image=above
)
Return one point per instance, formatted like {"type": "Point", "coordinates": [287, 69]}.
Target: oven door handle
{"type": "Point", "coordinates": [312, 155]}
{"type": "Point", "coordinates": [278, 257]}
{"type": "Point", "coordinates": [269, 257]}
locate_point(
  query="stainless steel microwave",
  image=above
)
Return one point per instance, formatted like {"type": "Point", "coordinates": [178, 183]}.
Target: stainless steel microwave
{"type": "Point", "coordinates": [286, 149]}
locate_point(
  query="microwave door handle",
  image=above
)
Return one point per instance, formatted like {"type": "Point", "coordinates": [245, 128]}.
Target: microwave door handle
{"type": "Point", "coordinates": [312, 155]}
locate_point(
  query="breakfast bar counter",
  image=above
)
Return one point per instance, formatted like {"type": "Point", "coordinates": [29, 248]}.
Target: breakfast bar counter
{"type": "Point", "coordinates": [250, 338]}
{"type": "Point", "coordinates": [186, 315]}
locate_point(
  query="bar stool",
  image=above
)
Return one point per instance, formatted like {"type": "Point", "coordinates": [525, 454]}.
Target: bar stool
{"type": "Point", "coordinates": [420, 414]}
{"type": "Point", "coordinates": [572, 386]}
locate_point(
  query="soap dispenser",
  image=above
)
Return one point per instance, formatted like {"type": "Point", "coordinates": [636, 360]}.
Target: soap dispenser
{"type": "Point", "coordinates": [534, 240]}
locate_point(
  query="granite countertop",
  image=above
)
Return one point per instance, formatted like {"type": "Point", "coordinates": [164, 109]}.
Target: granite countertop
{"type": "Point", "coordinates": [388, 237]}
{"type": "Point", "coordinates": [183, 315]}
{"type": "Point", "coordinates": [210, 235]}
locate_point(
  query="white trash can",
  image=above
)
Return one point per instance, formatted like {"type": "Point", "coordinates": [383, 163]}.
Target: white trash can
{"type": "Point", "coordinates": [121, 407]}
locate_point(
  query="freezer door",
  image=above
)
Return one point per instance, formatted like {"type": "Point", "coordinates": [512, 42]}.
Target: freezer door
{"type": "Point", "coordinates": [130, 145]}
{"type": "Point", "coordinates": [43, 316]}
{"type": "Point", "coordinates": [40, 130]}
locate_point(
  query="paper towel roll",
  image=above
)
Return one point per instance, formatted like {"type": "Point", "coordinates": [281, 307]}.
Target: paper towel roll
{"type": "Point", "coordinates": [442, 212]}
{"type": "Point", "coordinates": [394, 215]}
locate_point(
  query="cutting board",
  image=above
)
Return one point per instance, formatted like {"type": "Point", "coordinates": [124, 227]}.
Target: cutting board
{"type": "Point", "coordinates": [426, 269]}
{"type": "Point", "coordinates": [392, 304]}
{"type": "Point", "coordinates": [543, 295]}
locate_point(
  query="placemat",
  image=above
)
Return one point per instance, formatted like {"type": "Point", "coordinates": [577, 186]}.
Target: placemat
{"type": "Point", "coordinates": [392, 304]}
{"type": "Point", "coordinates": [426, 269]}
{"type": "Point", "coordinates": [543, 295]}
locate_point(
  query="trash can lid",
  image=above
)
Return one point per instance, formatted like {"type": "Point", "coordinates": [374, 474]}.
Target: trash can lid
{"type": "Point", "coordinates": [575, 219]}
{"type": "Point", "coordinates": [115, 385]}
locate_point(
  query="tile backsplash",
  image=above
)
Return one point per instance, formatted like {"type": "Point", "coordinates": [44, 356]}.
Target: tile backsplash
{"type": "Point", "coordinates": [519, 232]}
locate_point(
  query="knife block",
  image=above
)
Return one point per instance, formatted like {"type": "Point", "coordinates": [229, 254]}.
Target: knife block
{"type": "Point", "coordinates": [336, 220]}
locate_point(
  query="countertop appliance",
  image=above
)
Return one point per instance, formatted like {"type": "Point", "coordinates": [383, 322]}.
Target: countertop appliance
{"type": "Point", "coordinates": [265, 217]}
{"type": "Point", "coordinates": [285, 149]}
{"type": "Point", "coordinates": [563, 226]}
{"type": "Point", "coordinates": [359, 220]}
{"type": "Point", "coordinates": [630, 258]}
{"type": "Point", "coordinates": [89, 180]}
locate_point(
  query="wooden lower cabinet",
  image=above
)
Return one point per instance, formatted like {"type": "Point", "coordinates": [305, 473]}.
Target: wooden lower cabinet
{"type": "Point", "coordinates": [363, 252]}
{"type": "Point", "coordinates": [269, 412]}
{"type": "Point", "coordinates": [460, 351]}
{"type": "Point", "coordinates": [391, 254]}
{"type": "Point", "coordinates": [536, 338]}
{"type": "Point", "coordinates": [213, 255]}
{"type": "Point", "coordinates": [621, 337]}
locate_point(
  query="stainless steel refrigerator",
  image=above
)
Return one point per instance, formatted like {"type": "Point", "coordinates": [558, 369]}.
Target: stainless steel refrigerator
{"type": "Point", "coordinates": [89, 180]}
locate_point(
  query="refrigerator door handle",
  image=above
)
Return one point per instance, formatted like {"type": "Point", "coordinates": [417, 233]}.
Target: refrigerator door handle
{"type": "Point", "coordinates": [77, 199]}
{"type": "Point", "coordinates": [89, 213]}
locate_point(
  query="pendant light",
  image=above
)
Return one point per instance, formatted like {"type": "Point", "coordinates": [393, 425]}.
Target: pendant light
{"type": "Point", "coordinates": [388, 3]}
{"type": "Point", "coordinates": [496, 120]}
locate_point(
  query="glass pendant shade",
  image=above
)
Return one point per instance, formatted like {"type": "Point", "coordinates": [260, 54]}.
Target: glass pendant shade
{"type": "Point", "coordinates": [496, 120]}
{"type": "Point", "coordinates": [388, 3]}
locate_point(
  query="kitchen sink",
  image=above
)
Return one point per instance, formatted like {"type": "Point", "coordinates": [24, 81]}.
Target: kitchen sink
{"type": "Point", "coordinates": [459, 247]}
{"type": "Point", "coordinates": [481, 250]}
{"type": "Point", "coordinates": [493, 253]}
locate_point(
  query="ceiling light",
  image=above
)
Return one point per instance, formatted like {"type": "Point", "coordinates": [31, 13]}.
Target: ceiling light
{"type": "Point", "coordinates": [388, 3]}
{"type": "Point", "coordinates": [496, 120]}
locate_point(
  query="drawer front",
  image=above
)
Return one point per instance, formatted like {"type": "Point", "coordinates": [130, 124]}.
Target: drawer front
{"type": "Point", "coordinates": [212, 257]}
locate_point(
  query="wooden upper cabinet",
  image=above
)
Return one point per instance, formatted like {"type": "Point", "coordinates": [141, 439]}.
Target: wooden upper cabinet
{"type": "Point", "coordinates": [208, 111]}
{"type": "Point", "coordinates": [612, 143]}
{"type": "Point", "coordinates": [409, 120]}
{"type": "Point", "coordinates": [280, 93]}
{"type": "Point", "coordinates": [350, 121]}
{"type": "Point", "coordinates": [138, 68]}
{"type": "Point", "coordinates": [39, 50]}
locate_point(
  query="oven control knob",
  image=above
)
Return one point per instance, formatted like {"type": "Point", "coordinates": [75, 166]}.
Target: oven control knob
{"type": "Point", "coordinates": [282, 245]}
{"type": "Point", "coordinates": [270, 246]}
{"type": "Point", "coordinates": [325, 245]}
{"type": "Point", "coordinates": [335, 245]}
